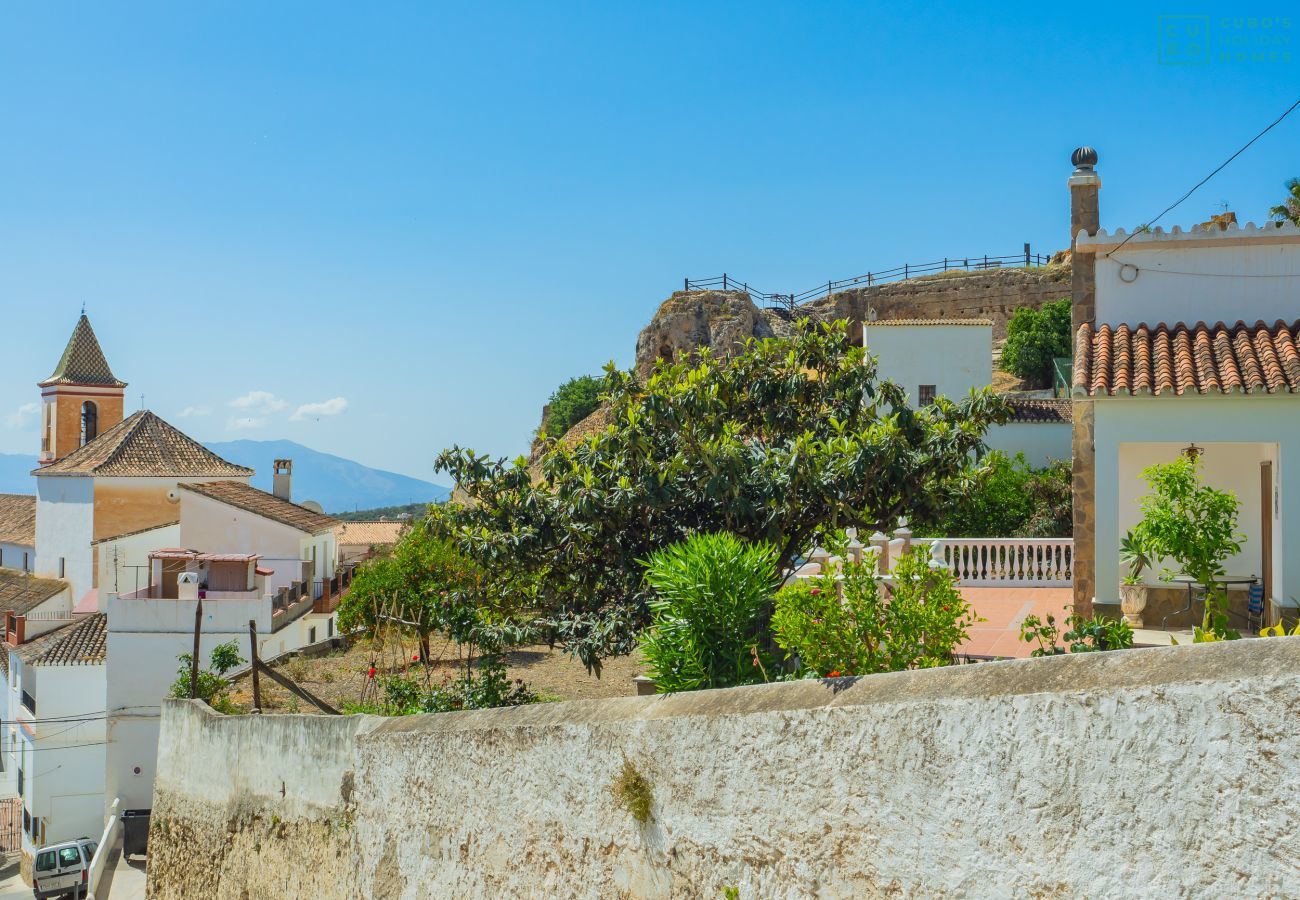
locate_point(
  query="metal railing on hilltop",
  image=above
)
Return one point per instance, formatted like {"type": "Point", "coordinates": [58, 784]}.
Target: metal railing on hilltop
{"type": "Point", "coordinates": [726, 282]}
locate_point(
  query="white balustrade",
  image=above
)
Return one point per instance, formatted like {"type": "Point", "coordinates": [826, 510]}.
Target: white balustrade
{"type": "Point", "coordinates": [1009, 562]}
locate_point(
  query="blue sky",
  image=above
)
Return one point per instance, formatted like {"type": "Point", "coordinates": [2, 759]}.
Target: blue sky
{"type": "Point", "coordinates": [417, 219]}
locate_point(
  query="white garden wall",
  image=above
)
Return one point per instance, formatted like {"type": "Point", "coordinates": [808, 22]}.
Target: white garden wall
{"type": "Point", "coordinates": [1143, 773]}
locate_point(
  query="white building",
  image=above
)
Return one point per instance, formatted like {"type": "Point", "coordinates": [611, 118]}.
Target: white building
{"type": "Point", "coordinates": [54, 736]}
{"type": "Point", "coordinates": [263, 559]}
{"type": "Point", "coordinates": [932, 358]}
{"type": "Point", "coordinates": [1191, 347]}
{"type": "Point", "coordinates": [17, 531]}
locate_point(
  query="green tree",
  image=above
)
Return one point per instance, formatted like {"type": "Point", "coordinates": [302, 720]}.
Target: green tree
{"type": "Point", "coordinates": [711, 604]}
{"type": "Point", "coordinates": [427, 585]}
{"type": "Point", "coordinates": [1003, 496]}
{"type": "Point", "coordinates": [773, 444]}
{"type": "Point", "coordinates": [572, 402]}
{"type": "Point", "coordinates": [1034, 338]}
{"type": "Point", "coordinates": [1289, 209]}
{"type": "Point", "coordinates": [1195, 526]}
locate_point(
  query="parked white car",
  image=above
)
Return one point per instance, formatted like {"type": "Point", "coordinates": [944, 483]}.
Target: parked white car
{"type": "Point", "coordinates": [63, 870]}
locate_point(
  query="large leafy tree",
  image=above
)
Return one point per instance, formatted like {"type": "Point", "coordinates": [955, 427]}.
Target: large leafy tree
{"type": "Point", "coordinates": [1034, 338]}
{"type": "Point", "coordinates": [572, 402]}
{"type": "Point", "coordinates": [774, 443]}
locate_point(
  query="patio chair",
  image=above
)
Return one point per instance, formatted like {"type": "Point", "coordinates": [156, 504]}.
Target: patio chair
{"type": "Point", "coordinates": [1255, 607]}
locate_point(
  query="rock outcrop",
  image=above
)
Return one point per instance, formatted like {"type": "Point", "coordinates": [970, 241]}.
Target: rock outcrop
{"type": "Point", "coordinates": [688, 320]}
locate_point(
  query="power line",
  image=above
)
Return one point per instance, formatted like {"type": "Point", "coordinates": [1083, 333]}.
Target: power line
{"type": "Point", "coordinates": [1221, 167]}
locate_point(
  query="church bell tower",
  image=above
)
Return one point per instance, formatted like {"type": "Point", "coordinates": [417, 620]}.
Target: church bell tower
{"type": "Point", "coordinates": [81, 399]}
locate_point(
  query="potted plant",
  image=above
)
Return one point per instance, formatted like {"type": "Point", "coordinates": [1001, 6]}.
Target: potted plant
{"type": "Point", "coordinates": [1133, 556]}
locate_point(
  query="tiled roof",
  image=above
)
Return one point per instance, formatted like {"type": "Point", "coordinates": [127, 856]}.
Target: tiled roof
{"type": "Point", "coordinates": [369, 533]}
{"type": "Point", "coordinates": [84, 643]}
{"type": "Point", "coordinates": [879, 322]}
{"type": "Point", "coordinates": [141, 445]}
{"type": "Point", "coordinates": [1044, 410]}
{"type": "Point", "coordinates": [134, 532]}
{"type": "Point", "coordinates": [1198, 359]}
{"type": "Point", "coordinates": [268, 506]}
{"type": "Point", "coordinates": [22, 593]}
{"type": "Point", "coordinates": [34, 649]}
{"type": "Point", "coordinates": [83, 361]}
{"type": "Point", "coordinates": [18, 519]}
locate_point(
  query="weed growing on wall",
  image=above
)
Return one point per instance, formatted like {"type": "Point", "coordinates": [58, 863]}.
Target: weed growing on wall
{"type": "Point", "coordinates": [634, 793]}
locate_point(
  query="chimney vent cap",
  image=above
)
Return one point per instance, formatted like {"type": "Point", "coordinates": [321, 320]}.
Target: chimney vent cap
{"type": "Point", "coordinates": [1084, 158]}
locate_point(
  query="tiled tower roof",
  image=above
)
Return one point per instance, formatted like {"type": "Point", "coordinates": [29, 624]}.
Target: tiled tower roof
{"type": "Point", "coordinates": [83, 361]}
{"type": "Point", "coordinates": [142, 445]}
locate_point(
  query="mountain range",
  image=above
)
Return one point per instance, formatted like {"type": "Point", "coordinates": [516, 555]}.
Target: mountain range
{"type": "Point", "coordinates": [337, 484]}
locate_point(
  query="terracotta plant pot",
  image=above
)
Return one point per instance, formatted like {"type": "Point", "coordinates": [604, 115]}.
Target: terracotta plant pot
{"type": "Point", "coordinates": [1132, 600]}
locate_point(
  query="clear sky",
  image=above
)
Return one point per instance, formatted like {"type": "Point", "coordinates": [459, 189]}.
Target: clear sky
{"type": "Point", "coordinates": [415, 220]}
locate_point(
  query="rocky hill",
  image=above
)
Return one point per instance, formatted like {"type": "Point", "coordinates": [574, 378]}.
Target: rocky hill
{"type": "Point", "coordinates": [724, 320]}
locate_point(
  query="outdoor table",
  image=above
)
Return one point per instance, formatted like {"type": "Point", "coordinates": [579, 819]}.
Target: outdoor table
{"type": "Point", "coordinates": [1226, 580]}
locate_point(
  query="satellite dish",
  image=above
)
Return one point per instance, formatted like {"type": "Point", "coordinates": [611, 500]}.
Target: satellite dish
{"type": "Point", "coordinates": [313, 506]}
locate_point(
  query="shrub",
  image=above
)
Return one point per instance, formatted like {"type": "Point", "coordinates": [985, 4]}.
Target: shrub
{"type": "Point", "coordinates": [487, 688]}
{"type": "Point", "coordinates": [634, 793]}
{"type": "Point", "coordinates": [711, 604]}
{"type": "Point", "coordinates": [572, 402]}
{"type": "Point", "coordinates": [1034, 338]}
{"type": "Point", "coordinates": [212, 683]}
{"type": "Point", "coordinates": [863, 631]}
{"type": "Point", "coordinates": [1084, 635]}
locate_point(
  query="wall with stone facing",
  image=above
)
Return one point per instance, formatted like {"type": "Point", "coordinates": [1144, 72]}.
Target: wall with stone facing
{"type": "Point", "coordinates": [1141, 773]}
{"type": "Point", "coordinates": [994, 294]}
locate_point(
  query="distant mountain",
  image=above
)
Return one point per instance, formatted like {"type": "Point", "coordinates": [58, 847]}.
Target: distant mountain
{"type": "Point", "coordinates": [335, 483]}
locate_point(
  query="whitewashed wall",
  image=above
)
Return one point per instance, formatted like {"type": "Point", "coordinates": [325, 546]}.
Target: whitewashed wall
{"type": "Point", "coordinates": [954, 358]}
{"type": "Point", "coordinates": [65, 524]}
{"type": "Point", "coordinates": [1101, 775]}
{"type": "Point", "coordinates": [67, 778]}
{"type": "Point", "coordinates": [1041, 442]}
{"type": "Point", "coordinates": [12, 556]}
{"type": "Point", "coordinates": [1188, 277]}
{"type": "Point", "coordinates": [123, 562]}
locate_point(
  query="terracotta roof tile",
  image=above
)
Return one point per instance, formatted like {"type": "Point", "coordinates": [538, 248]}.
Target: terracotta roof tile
{"type": "Point", "coordinates": [18, 519]}
{"type": "Point", "coordinates": [1182, 359]}
{"type": "Point", "coordinates": [142, 445]}
{"type": "Point", "coordinates": [83, 361]}
{"type": "Point", "coordinates": [22, 593]}
{"type": "Point", "coordinates": [268, 506]}
{"type": "Point", "coordinates": [1034, 410]}
{"type": "Point", "coordinates": [370, 533]}
{"type": "Point", "coordinates": [84, 643]}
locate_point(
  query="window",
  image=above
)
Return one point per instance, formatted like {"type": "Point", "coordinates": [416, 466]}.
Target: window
{"type": "Point", "coordinates": [26, 565]}
{"type": "Point", "coordinates": [88, 851]}
{"type": "Point", "coordinates": [89, 422]}
{"type": "Point", "coordinates": [329, 627]}
{"type": "Point", "coordinates": [63, 567]}
{"type": "Point", "coordinates": [69, 856]}
{"type": "Point", "coordinates": [2, 556]}
{"type": "Point", "coordinates": [44, 859]}
{"type": "Point", "coordinates": [311, 635]}
{"type": "Point", "coordinates": [925, 395]}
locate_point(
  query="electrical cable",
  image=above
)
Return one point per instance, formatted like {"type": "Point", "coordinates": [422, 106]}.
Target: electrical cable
{"type": "Point", "coordinates": [1198, 184]}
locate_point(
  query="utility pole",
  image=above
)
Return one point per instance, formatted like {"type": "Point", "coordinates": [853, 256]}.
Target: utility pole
{"type": "Point", "coordinates": [194, 661]}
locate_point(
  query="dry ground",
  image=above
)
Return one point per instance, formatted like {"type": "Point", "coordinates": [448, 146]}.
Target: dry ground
{"type": "Point", "coordinates": [341, 677]}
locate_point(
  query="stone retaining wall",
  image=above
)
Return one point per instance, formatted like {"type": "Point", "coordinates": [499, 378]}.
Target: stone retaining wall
{"type": "Point", "coordinates": [1162, 772]}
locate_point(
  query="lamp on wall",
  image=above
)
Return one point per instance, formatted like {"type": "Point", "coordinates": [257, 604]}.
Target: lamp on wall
{"type": "Point", "coordinates": [1193, 452]}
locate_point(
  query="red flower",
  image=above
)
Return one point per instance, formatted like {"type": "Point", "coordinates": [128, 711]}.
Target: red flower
{"type": "Point", "coordinates": [371, 673]}
{"type": "Point", "coordinates": [833, 673]}
{"type": "Point", "coordinates": [415, 657]}
{"type": "Point", "coordinates": [815, 591]}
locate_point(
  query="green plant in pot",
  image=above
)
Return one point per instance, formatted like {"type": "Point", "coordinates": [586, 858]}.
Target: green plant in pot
{"type": "Point", "coordinates": [1193, 525]}
{"type": "Point", "coordinates": [1135, 558]}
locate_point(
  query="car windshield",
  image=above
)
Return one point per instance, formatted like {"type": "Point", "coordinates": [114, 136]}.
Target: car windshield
{"type": "Point", "coordinates": [68, 856]}
{"type": "Point", "coordinates": [45, 861]}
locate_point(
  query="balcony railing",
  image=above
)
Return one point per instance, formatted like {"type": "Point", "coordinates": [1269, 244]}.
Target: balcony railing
{"type": "Point", "coordinates": [29, 702]}
{"type": "Point", "coordinates": [1009, 562]}
{"type": "Point", "coordinates": [330, 591]}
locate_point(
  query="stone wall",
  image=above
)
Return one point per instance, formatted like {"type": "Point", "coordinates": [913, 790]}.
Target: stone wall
{"type": "Point", "coordinates": [1141, 773]}
{"type": "Point", "coordinates": [994, 294]}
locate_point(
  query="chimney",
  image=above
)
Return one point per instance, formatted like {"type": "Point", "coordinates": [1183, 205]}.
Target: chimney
{"type": "Point", "coordinates": [187, 586]}
{"type": "Point", "coordinates": [283, 473]}
{"type": "Point", "coordinates": [1085, 215]}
